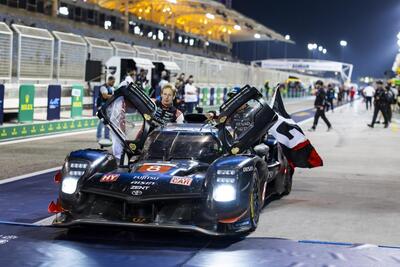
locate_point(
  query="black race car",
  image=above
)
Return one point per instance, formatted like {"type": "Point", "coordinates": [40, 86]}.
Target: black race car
{"type": "Point", "coordinates": [207, 176]}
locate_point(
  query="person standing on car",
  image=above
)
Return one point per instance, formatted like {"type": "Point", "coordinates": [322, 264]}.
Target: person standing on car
{"type": "Point", "coordinates": [191, 95]}
{"type": "Point", "coordinates": [369, 92]}
{"type": "Point", "coordinates": [106, 91]}
{"type": "Point", "coordinates": [319, 104]}
{"type": "Point", "coordinates": [380, 104]}
{"type": "Point", "coordinates": [166, 111]}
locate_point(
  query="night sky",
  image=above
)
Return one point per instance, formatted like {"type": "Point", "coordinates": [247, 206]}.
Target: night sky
{"type": "Point", "coordinates": [370, 27]}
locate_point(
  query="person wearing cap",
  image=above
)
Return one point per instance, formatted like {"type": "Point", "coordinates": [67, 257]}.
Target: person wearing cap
{"type": "Point", "coordinates": [380, 104]}
{"type": "Point", "coordinates": [319, 103]}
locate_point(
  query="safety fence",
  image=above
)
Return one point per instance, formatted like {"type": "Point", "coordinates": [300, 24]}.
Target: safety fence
{"type": "Point", "coordinates": [6, 41]}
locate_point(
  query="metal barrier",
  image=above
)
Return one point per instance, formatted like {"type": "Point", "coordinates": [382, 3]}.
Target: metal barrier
{"type": "Point", "coordinates": [99, 49]}
{"type": "Point", "coordinates": [35, 53]}
{"type": "Point", "coordinates": [71, 52]}
{"type": "Point", "coordinates": [190, 68]}
{"type": "Point", "coordinates": [179, 59]}
{"type": "Point", "coordinates": [123, 50]}
{"type": "Point", "coordinates": [162, 55]}
{"type": "Point", "coordinates": [6, 41]}
{"type": "Point", "coordinates": [144, 52]}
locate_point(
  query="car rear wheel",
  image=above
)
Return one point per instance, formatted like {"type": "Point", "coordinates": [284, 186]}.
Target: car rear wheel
{"type": "Point", "coordinates": [255, 202]}
{"type": "Point", "coordinates": [288, 181]}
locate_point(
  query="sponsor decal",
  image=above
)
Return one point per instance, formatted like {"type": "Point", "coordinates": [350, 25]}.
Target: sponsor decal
{"type": "Point", "coordinates": [136, 193]}
{"type": "Point", "coordinates": [145, 178]}
{"type": "Point", "coordinates": [139, 187]}
{"type": "Point", "coordinates": [154, 168]}
{"type": "Point", "coordinates": [248, 169]}
{"type": "Point", "coordinates": [187, 181]}
{"type": "Point", "coordinates": [235, 150]}
{"type": "Point", "coordinates": [142, 183]}
{"type": "Point", "coordinates": [54, 103]}
{"type": "Point", "coordinates": [147, 117]}
{"type": "Point", "coordinates": [109, 178]}
{"type": "Point", "coordinates": [132, 147]}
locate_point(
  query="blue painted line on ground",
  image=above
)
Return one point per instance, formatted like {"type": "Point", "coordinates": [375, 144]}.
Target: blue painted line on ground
{"type": "Point", "coordinates": [325, 243]}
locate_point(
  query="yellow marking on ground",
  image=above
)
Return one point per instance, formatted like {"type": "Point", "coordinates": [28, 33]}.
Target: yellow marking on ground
{"type": "Point", "coordinates": [394, 127]}
{"type": "Point", "coordinates": [304, 113]}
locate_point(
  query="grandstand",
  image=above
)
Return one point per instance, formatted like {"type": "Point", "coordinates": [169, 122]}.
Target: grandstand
{"type": "Point", "coordinates": [42, 47]}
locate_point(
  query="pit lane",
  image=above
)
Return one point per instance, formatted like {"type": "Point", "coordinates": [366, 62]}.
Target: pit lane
{"type": "Point", "coordinates": [352, 199]}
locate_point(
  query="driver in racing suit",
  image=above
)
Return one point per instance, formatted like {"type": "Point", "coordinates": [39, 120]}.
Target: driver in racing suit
{"type": "Point", "coordinates": [166, 111]}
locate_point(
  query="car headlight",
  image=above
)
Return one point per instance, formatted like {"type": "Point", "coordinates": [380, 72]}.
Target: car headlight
{"type": "Point", "coordinates": [77, 169]}
{"type": "Point", "coordinates": [226, 172]}
{"type": "Point", "coordinates": [224, 193]}
{"type": "Point", "coordinates": [69, 185]}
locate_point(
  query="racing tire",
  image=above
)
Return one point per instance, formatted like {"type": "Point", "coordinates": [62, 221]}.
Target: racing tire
{"type": "Point", "coordinates": [255, 202]}
{"type": "Point", "coordinates": [288, 181]}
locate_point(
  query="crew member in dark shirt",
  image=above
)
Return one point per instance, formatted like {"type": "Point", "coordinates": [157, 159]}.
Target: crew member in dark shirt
{"type": "Point", "coordinates": [320, 102]}
{"type": "Point", "coordinates": [380, 104]}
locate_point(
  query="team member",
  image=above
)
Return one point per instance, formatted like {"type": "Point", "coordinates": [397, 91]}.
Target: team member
{"type": "Point", "coordinates": [106, 91]}
{"type": "Point", "coordinates": [166, 110]}
{"type": "Point", "coordinates": [369, 92]}
{"type": "Point", "coordinates": [320, 101]}
{"type": "Point", "coordinates": [191, 96]}
{"type": "Point", "coordinates": [330, 95]}
{"type": "Point", "coordinates": [380, 104]}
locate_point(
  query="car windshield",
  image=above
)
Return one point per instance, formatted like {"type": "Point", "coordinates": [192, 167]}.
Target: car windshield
{"type": "Point", "coordinates": [168, 145]}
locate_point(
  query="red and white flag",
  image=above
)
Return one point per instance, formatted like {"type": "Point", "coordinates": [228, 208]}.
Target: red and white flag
{"type": "Point", "coordinates": [295, 145]}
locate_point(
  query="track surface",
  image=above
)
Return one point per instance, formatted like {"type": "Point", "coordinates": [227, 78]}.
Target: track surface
{"type": "Point", "coordinates": [353, 198]}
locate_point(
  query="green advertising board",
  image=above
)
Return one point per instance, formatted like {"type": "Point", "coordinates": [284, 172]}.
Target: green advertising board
{"type": "Point", "coordinates": [205, 96]}
{"type": "Point", "coordinates": [28, 130]}
{"type": "Point", "coordinates": [76, 101]}
{"type": "Point", "coordinates": [219, 96]}
{"type": "Point", "coordinates": [26, 102]}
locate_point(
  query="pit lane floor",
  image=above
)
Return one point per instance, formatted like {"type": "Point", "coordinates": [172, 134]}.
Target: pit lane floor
{"type": "Point", "coordinates": [353, 198]}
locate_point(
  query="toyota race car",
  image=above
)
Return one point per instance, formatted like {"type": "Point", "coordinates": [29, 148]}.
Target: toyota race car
{"type": "Point", "coordinates": [199, 176]}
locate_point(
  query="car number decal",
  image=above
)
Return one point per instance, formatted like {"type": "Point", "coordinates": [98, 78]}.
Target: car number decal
{"type": "Point", "coordinates": [187, 181]}
{"type": "Point", "coordinates": [154, 168]}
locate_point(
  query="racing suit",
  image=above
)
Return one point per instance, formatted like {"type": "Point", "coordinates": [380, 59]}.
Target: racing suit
{"type": "Point", "coordinates": [168, 114]}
